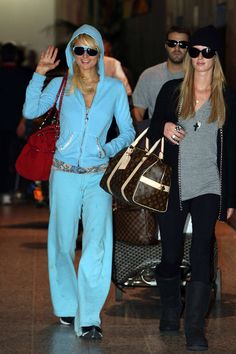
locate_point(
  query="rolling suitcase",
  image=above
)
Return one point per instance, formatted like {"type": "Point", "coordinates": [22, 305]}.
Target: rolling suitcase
{"type": "Point", "coordinates": [136, 256]}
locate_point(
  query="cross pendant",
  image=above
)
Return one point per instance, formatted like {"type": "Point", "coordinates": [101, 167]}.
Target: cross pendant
{"type": "Point", "coordinates": [196, 126]}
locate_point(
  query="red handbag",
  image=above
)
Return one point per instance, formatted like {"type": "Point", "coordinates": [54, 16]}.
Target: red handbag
{"type": "Point", "coordinates": [35, 159]}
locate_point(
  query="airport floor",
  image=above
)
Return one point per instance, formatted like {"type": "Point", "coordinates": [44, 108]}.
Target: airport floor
{"type": "Point", "coordinates": [130, 326]}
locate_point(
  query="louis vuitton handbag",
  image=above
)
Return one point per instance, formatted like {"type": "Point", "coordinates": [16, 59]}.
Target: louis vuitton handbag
{"type": "Point", "coordinates": [134, 225]}
{"type": "Point", "coordinates": [139, 177]}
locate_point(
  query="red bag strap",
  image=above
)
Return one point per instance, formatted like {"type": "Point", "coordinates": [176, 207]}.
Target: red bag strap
{"type": "Point", "coordinates": [61, 88]}
{"type": "Point", "coordinates": [60, 93]}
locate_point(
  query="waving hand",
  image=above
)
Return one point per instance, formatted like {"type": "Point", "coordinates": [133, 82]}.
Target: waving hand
{"type": "Point", "coordinates": [47, 60]}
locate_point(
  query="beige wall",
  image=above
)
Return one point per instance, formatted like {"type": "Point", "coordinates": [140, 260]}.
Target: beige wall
{"type": "Point", "coordinates": [23, 21]}
{"type": "Point", "coordinates": [74, 11]}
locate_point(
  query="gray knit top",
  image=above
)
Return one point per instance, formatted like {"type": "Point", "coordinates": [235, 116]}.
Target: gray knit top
{"type": "Point", "coordinates": [198, 155]}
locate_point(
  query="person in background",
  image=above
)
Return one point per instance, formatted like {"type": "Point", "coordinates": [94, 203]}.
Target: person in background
{"type": "Point", "coordinates": [90, 101]}
{"type": "Point", "coordinates": [13, 82]}
{"type": "Point", "coordinates": [140, 7]}
{"type": "Point", "coordinates": [113, 66]}
{"type": "Point", "coordinates": [31, 59]}
{"type": "Point", "coordinates": [152, 79]}
{"type": "Point", "coordinates": [196, 115]}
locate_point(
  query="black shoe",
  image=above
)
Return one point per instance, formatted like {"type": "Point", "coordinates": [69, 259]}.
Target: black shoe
{"type": "Point", "coordinates": [170, 320]}
{"type": "Point", "coordinates": [196, 340]}
{"type": "Point", "coordinates": [196, 308]}
{"type": "Point", "coordinates": [171, 304]}
{"type": "Point", "coordinates": [67, 321]}
{"type": "Point", "coordinates": [91, 332]}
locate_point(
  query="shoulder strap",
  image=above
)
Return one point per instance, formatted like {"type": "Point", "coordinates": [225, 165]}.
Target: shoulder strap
{"type": "Point", "coordinates": [62, 86]}
{"type": "Point", "coordinates": [60, 93]}
{"type": "Point", "coordinates": [57, 114]}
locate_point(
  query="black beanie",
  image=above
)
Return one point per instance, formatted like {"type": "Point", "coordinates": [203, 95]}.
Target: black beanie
{"type": "Point", "coordinates": [206, 36]}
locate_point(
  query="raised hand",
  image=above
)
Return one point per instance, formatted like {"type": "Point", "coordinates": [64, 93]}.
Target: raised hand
{"type": "Point", "coordinates": [47, 60]}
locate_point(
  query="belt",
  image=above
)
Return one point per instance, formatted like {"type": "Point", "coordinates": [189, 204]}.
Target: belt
{"type": "Point", "coordinates": [63, 166]}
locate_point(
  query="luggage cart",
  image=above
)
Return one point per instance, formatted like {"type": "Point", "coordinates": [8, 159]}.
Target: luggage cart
{"type": "Point", "coordinates": [134, 265]}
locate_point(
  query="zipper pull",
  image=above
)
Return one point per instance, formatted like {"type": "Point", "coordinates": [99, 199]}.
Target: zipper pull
{"type": "Point", "coordinates": [86, 115]}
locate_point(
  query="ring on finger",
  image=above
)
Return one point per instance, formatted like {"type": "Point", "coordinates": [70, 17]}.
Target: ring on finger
{"type": "Point", "coordinates": [173, 136]}
{"type": "Point", "coordinates": [177, 128]}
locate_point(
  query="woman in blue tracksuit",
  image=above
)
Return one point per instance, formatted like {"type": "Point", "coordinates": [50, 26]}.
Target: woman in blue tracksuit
{"type": "Point", "coordinates": [90, 101]}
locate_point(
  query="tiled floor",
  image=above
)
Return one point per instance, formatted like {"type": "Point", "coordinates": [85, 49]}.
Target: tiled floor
{"type": "Point", "coordinates": [130, 326]}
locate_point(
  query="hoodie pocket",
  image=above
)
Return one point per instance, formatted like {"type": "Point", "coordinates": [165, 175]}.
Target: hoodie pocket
{"type": "Point", "coordinates": [101, 151]}
{"type": "Point", "coordinates": [93, 147]}
{"type": "Point", "coordinates": [68, 144]}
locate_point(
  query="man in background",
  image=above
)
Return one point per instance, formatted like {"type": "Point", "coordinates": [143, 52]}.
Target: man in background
{"type": "Point", "coordinates": [152, 79]}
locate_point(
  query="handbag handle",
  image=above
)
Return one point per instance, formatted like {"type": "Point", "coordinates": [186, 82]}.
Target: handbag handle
{"type": "Point", "coordinates": [161, 152]}
{"type": "Point", "coordinates": [149, 151]}
{"type": "Point", "coordinates": [60, 92]}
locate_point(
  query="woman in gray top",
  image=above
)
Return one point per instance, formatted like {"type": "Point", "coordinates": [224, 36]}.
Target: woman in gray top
{"type": "Point", "coordinates": [197, 117]}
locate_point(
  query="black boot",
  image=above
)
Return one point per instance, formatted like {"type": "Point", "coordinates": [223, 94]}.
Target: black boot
{"type": "Point", "coordinates": [196, 308]}
{"type": "Point", "coordinates": [171, 303]}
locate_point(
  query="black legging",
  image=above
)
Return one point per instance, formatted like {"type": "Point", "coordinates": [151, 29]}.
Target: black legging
{"type": "Point", "coordinates": [204, 211]}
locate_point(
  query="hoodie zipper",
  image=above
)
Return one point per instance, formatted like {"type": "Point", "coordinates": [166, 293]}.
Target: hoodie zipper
{"type": "Point", "coordinates": [85, 127]}
{"type": "Point", "coordinates": [86, 118]}
{"type": "Point", "coordinates": [220, 172]}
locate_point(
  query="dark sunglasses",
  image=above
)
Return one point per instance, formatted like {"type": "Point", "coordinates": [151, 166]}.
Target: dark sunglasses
{"type": "Point", "coordinates": [207, 53]}
{"type": "Point", "coordinates": [172, 43]}
{"type": "Point", "coordinates": [79, 50]}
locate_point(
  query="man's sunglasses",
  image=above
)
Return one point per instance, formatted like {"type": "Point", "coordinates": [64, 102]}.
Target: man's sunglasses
{"type": "Point", "coordinates": [79, 50]}
{"type": "Point", "coordinates": [207, 53]}
{"type": "Point", "coordinates": [172, 43]}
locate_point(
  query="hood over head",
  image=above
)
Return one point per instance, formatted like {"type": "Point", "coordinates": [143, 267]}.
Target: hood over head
{"type": "Point", "coordinates": [95, 34]}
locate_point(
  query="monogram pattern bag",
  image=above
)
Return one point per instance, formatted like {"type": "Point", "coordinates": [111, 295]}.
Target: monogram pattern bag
{"type": "Point", "coordinates": [139, 177]}
{"type": "Point", "coordinates": [135, 226]}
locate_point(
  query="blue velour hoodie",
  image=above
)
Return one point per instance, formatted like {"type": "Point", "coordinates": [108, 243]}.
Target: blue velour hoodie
{"type": "Point", "coordinates": [82, 141]}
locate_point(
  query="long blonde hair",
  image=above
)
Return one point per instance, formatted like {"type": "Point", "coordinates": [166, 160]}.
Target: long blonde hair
{"type": "Point", "coordinates": [76, 81]}
{"type": "Point", "coordinates": [186, 108]}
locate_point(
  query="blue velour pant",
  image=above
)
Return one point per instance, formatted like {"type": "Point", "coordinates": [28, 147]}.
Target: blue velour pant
{"type": "Point", "coordinates": [80, 295]}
